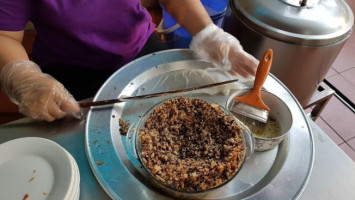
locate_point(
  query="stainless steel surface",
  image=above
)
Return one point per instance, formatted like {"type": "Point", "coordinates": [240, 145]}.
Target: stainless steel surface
{"type": "Point", "coordinates": [329, 21]}
{"type": "Point", "coordinates": [332, 176]}
{"type": "Point", "coordinates": [307, 3]}
{"type": "Point", "coordinates": [118, 170]}
{"type": "Point", "coordinates": [305, 41]}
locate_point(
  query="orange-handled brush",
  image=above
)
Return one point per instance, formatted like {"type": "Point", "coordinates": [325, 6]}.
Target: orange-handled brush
{"type": "Point", "coordinates": [252, 105]}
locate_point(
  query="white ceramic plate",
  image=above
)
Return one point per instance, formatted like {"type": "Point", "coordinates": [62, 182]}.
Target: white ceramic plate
{"type": "Point", "coordinates": [74, 191]}
{"type": "Point", "coordinates": [34, 166]}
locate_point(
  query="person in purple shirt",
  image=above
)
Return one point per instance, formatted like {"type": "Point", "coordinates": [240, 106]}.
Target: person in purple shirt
{"type": "Point", "coordinates": [80, 43]}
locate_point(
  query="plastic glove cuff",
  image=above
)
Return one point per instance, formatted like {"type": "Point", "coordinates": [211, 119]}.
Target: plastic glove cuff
{"type": "Point", "coordinates": [24, 63]}
{"type": "Point", "coordinates": [9, 75]}
{"type": "Point", "coordinates": [209, 29]}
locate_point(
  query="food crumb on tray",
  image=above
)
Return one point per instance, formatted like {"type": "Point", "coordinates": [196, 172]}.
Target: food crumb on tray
{"type": "Point", "coordinates": [26, 196]}
{"type": "Point", "coordinates": [100, 163]}
{"type": "Point", "coordinates": [124, 125]}
{"type": "Point", "coordinates": [31, 179]}
{"type": "Point", "coordinates": [191, 145]}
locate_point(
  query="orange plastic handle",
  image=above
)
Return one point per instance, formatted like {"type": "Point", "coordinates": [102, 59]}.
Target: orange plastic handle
{"type": "Point", "coordinates": [254, 97]}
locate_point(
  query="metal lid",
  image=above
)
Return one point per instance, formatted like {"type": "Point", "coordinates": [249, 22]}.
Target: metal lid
{"type": "Point", "coordinates": [311, 22]}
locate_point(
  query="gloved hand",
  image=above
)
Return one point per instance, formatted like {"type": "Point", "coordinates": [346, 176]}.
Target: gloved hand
{"type": "Point", "coordinates": [219, 47]}
{"type": "Point", "coordinates": [37, 94]}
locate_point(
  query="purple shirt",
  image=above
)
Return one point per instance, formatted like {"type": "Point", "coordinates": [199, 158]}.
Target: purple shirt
{"type": "Point", "coordinates": [103, 34]}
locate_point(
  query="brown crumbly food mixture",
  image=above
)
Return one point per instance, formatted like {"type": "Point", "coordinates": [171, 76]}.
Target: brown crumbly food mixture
{"type": "Point", "coordinates": [191, 145]}
{"type": "Point", "coordinates": [124, 125]}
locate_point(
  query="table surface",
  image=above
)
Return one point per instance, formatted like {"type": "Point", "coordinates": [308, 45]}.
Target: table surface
{"type": "Point", "coordinates": [332, 176]}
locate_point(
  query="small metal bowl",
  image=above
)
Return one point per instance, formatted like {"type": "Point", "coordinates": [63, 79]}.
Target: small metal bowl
{"type": "Point", "coordinates": [279, 110]}
{"type": "Point", "coordinates": [248, 141]}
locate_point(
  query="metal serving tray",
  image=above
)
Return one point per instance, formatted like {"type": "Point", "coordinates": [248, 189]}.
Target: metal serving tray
{"type": "Point", "coordinates": [280, 173]}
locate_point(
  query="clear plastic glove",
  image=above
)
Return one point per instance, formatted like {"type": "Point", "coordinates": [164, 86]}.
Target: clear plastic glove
{"type": "Point", "coordinates": [37, 94]}
{"type": "Point", "coordinates": [219, 47]}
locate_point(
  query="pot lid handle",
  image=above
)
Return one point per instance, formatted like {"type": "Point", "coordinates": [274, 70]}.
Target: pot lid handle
{"type": "Point", "coordinates": [302, 3]}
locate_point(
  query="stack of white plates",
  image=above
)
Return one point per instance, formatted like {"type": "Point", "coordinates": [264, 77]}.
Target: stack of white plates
{"type": "Point", "coordinates": [37, 168]}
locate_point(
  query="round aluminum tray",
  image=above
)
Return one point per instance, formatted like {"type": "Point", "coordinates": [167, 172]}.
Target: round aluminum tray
{"type": "Point", "coordinates": [280, 173]}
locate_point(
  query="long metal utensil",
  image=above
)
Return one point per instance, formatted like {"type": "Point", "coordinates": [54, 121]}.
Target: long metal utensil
{"type": "Point", "coordinates": [152, 95]}
{"type": "Point", "coordinates": [133, 98]}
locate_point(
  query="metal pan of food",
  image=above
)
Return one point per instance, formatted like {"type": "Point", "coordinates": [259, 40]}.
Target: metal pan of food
{"type": "Point", "coordinates": [280, 173]}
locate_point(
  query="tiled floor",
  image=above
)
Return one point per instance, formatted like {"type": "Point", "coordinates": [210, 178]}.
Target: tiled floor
{"type": "Point", "coordinates": [337, 120]}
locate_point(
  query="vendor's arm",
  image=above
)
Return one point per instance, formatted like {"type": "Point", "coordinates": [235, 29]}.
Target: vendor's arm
{"type": "Point", "coordinates": [11, 48]}
{"type": "Point", "coordinates": [209, 41]}
{"type": "Point", "coordinates": [188, 13]}
{"type": "Point", "coordinates": [38, 95]}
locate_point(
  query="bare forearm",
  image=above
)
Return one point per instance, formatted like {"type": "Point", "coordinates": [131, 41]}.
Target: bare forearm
{"type": "Point", "coordinates": [188, 13]}
{"type": "Point", "coordinates": [11, 48]}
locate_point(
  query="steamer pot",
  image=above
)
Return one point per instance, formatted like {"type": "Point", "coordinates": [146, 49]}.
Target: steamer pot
{"type": "Point", "coordinates": [306, 37]}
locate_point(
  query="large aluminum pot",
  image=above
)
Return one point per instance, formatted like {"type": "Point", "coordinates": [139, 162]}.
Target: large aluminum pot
{"type": "Point", "coordinates": [306, 37]}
